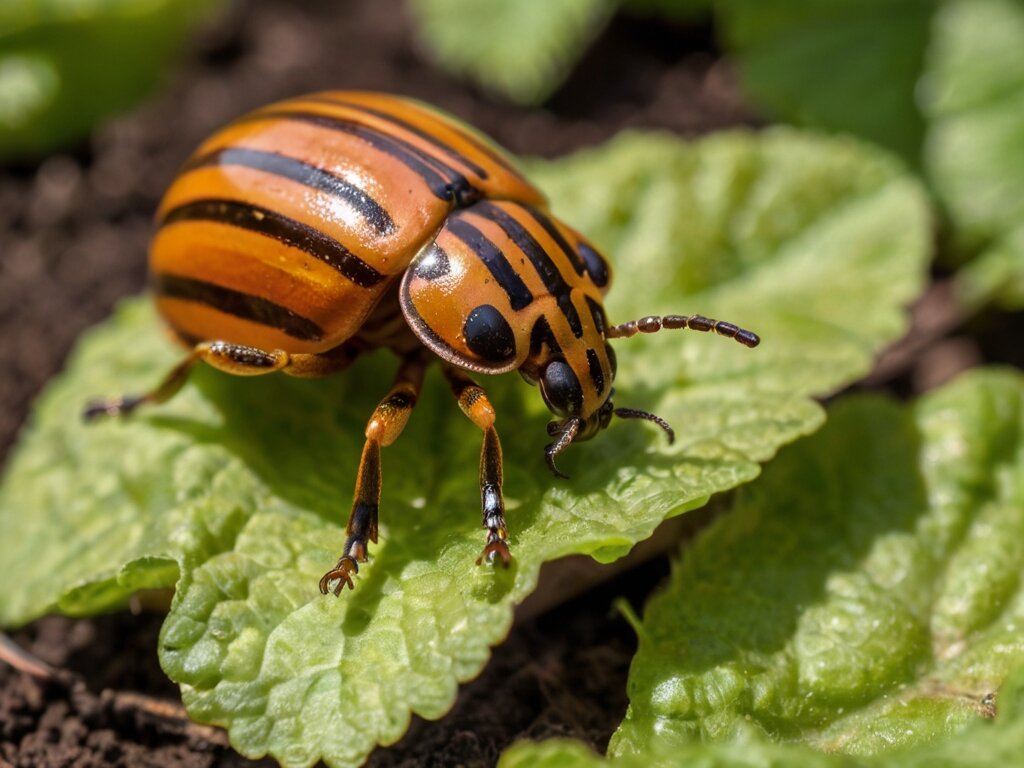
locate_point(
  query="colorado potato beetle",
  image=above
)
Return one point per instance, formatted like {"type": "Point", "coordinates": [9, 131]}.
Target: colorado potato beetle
{"type": "Point", "coordinates": [314, 229]}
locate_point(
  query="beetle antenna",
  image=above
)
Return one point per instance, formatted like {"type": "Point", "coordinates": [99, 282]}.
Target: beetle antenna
{"type": "Point", "coordinates": [653, 324]}
{"type": "Point", "coordinates": [572, 426]}
{"type": "Point", "coordinates": [633, 413]}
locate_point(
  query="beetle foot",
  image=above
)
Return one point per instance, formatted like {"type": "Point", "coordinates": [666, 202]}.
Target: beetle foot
{"type": "Point", "coordinates": [494, 550]}
{"type": "Point", "coordinates": [342, 574]}
{"type": "Point", "coordinates": [112, 406]}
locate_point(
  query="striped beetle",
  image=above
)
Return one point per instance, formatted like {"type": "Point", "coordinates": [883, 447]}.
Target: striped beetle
{"type": "Point", "coordinates": [312, 230]}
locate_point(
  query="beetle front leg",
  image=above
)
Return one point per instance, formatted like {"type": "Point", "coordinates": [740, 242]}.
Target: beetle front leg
{"type": "Point", "coordinates": [388, 420]}
{"type": "Point", "coordinates": [474, 403]}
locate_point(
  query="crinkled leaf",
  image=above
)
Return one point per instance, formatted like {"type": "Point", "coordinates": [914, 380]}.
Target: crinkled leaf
{"type": "Point", "coordinates": [974, 151]}
{"type": "Point", "coordinates": [982, 744]}
{"type": "Point", "coordinates": [523, 49]}
{"type": "Point", "coordinates": [845, 65]}
{"type": "Point", "coordinates": [865, 594]}
{"type": "Point", "coordinates": [65, 66]}
{"type": "Point", "coordinates": [241, 486]}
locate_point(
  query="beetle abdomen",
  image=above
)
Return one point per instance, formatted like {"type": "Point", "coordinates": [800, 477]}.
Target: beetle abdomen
{"type": "Point", "coordinates": [286, 227]}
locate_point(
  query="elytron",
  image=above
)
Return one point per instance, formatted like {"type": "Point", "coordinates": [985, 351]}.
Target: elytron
{"type": "Point", "coordinates": [313, 230]}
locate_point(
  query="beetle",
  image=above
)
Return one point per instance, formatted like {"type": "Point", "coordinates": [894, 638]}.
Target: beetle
{"type": "Point", "coordinates": [314, 229]}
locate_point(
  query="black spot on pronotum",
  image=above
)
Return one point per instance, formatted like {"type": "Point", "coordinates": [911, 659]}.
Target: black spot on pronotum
{"type": "Point", "coordinates": [596, 373]}
{"type": "Point", "coordinates": [613, 362]}
{"type": "Point", "coordinates": [595, 265]}
{"type": "Point", "coordinates": [433, 264]}
{"type": "Point", "coordinates": [489, 335]}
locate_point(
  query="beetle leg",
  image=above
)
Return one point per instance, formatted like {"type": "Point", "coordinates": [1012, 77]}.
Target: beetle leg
{"type": "Point", "coordinates": [385, 425]}
{"type": "Point", "coordinates": [474, 403]}
{"type": "Point", "coordinates": [236, 359]}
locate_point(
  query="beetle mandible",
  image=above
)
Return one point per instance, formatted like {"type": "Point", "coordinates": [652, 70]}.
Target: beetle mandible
{"type": "Point", "coordinates": [314, 229]}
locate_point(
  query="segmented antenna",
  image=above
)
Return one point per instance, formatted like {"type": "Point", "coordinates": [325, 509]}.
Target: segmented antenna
{"type": "Point", "coordinates": [653, 324]}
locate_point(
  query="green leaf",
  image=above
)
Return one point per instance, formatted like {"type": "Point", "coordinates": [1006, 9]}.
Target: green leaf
{"type": "Point", "coordinates": [864, 595]}
{"type": "Point", "coordinates": [981, 744]}
{"type": "Point", "coordinates": [844, 65]}
{"type": "Point", "coordinates": [241, 486]}
{"type": "Point", "coordinates": [522, 49]}
{"type": "Point", "coordinates": [66, 66]}
{"type": "Point", "coordinates": [974, 151]}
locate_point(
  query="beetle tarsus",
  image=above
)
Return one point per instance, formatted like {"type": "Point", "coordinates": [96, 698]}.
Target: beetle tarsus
{"type": "Point", "coordinates": [496, 549]}
{"type": "Point", "coordinates": [550, 451]}
{"type": "Point", "coordinates": [566, 434]}
{"type": "Point", "coordinates": [342, 574]}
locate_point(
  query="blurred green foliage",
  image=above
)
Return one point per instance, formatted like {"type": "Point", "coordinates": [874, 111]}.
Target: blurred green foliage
{"type": "Point", "coordinates": [940, 83]}
{"type": "Point", "coordinates": [65, 65]}
{"type": "Point", "coordinates": [523, 49]}
{"type": "Point", "coordinates": [846, 65]}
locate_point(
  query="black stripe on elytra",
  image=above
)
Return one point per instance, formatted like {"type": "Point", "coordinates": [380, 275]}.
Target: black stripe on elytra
{"type": "Point", "coordinates": [552, 230]}
{"type": "Point", "coordinates": [519, 295]}
{"type": "Point", "coordinates": [542, 263]}
{"type": "Point", "coordinates": [482, 147]}
{"type": "Point", "coordinates": [317, 178]}
{"type": "Point", "coordinates": [493, 155]}
{"type": "Point", "coordinates": [541, 335]}
{"type": "Point", "coordinates": [447, 149]}
{"type": "Point", "coordinates": [596, 374]}
{"type": "Point", "coordinates": [283, 229]}
{"type": "Point", "coordinates": [442, 180]}
{"type": "Point", "coordinates": [243, 305]}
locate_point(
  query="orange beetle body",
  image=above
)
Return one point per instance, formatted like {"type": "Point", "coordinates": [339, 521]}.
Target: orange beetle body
{"type": "Point", "coordinates": [314, 229]}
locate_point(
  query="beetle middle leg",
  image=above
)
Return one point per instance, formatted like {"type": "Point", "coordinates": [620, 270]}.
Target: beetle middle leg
{"type": "Point", "coordinates": [474, 403]}
{"type": "Point", "coordinates": [236, 359]}
{"type": "Point", "coordinates": [385, 425]}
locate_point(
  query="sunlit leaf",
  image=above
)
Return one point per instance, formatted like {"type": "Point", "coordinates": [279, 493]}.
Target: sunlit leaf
{"type": "Point", "coordinates": [237, 490]}
{"type": "Point", "coordinates": [864, 595]}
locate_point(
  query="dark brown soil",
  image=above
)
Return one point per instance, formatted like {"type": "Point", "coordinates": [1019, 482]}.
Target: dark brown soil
{"type": "Point", "coordinates": [73, 234]}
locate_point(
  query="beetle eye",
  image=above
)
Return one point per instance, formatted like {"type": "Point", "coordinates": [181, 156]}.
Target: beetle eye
{"type": "Point", "coordinates": [561, 389]}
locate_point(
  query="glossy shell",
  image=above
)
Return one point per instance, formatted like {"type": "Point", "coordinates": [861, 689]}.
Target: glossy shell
{"type": "Point", "coordinates": [288, 226]}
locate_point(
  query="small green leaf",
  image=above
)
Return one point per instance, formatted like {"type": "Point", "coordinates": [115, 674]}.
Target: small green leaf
{"type": "Point", "coordinates": [981, 744]}
{"type": "Point", "coordinates": [974, 152]}
{"type": "Point", "coordinates": [65, 66]}
{"type": "Point", "coordinates": [844, 65]}
{"type": "Point", "coordinates": [242, 485]}
{"type": "Point", "coordinates": [522, 49]}
{"type": "Point", "coordinates": [864, 595]}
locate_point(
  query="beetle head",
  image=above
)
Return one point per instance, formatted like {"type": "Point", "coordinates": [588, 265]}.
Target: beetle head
{"type": "Point", "coordinates": [565, 397]}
